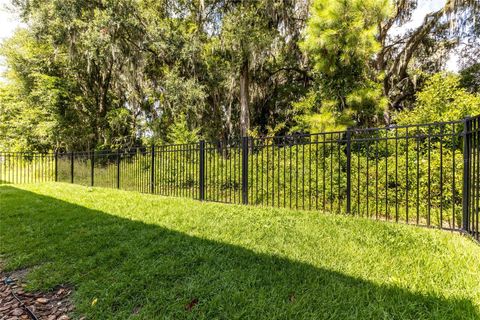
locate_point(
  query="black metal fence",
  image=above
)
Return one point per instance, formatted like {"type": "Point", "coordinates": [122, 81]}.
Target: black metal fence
{"type": "Point", "coordinates": [427, 174]}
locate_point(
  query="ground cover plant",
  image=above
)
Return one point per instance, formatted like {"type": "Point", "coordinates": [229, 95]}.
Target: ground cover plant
{"type": "Point", "coordinates": [132, 255]}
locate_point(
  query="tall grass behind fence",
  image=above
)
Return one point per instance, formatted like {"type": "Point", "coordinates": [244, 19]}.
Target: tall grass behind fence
{"type": "Point", "coordinates": [426, 174]}
{"type": "Point", "coordinates": [26, 167]}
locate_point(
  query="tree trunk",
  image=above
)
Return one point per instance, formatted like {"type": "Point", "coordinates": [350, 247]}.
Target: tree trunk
{"type": "Point", "coordinates": [397, 73]}
{"type": "Point", "coordinates": [244, 99]}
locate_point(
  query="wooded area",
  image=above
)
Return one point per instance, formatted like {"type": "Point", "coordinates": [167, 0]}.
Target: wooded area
{"type": "Point", "coordinates": [111, 74]}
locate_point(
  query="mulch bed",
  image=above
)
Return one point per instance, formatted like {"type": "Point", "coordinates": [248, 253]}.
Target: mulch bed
{"type": "Point", "coordinates": [53, 305]}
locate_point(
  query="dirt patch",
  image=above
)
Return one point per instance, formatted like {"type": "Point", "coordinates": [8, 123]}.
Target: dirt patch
{"type": "Point", "coordinates": [53, 305]}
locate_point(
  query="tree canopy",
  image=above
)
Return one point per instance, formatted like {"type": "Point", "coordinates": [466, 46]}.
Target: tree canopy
{"type": "Point", "coordinates": [115, 73]}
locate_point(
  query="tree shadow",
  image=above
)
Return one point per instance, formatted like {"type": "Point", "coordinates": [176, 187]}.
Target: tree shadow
{"type": "Point", "coordinates": [133, 269]}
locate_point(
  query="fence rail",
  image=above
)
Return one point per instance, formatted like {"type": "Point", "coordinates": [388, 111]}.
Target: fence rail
{"type": "Point", "coordinates": [426, 174]}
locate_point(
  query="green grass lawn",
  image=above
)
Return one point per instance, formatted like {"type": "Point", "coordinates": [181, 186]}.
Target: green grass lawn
{"type": "Point", "coordinates": [149, 257]}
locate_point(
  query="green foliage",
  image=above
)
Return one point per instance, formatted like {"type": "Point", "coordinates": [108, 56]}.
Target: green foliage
{"type": "Point", "coordinates": [180, 133]}
{"type": "Point", "coordinates": [144, 63]}
{"type": "Point", "coordinates": [313, 116]}
{"type": "Point", "coordinates": [109, 74]}
{"type": "Point", "coordinates": [340, 36]}
{"type": "Point", "coordinates": [121, 127]}
{"type": "Point", "coordinates": [38, 105]}
{"type": "Point", "coordinates": [341, 42]}
{"type": "Point", "coordinates": [441, 99]}
{"type": "Point", "coordinates": [470, 78]}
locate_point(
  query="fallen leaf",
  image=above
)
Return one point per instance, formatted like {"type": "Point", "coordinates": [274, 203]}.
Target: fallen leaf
{"type": "Point", "coordinates": [192, 304]}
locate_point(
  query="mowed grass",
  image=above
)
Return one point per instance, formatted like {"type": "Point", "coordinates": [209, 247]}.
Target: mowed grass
{"type": "Point", "coordinates": [131, 255]}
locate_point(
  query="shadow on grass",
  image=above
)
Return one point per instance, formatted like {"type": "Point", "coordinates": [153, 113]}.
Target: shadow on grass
{"type": "Point", "coordinates": [133, 269]}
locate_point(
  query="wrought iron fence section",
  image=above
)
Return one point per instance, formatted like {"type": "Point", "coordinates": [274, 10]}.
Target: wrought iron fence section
{"type": "Point", "coordinates": [425, 174]}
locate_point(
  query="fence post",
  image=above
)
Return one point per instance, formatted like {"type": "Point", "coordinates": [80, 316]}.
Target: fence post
{"type": "Point", "coordinates": [245, 170]}
{"type": "Point", "coordinates": [349, 170]}
{"type": "Point", "coordinates": [152, 172]}
{"type": "Point", "coordinates": [118, 169]}
{"type": "Point", "coordinates": [201, 178]}
{"type": "Point", "coordinates": [71, 167]}
{"type": "Point", "coordinates": [92, 168]}
{"type": "Point", "coordinates": [56, 166]}
{"type": "Point", "coordinates": [466, 173]}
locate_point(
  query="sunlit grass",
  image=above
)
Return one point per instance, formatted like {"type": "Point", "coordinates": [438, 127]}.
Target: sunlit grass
{"type": "Point", "coordinates": [149, 257]}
